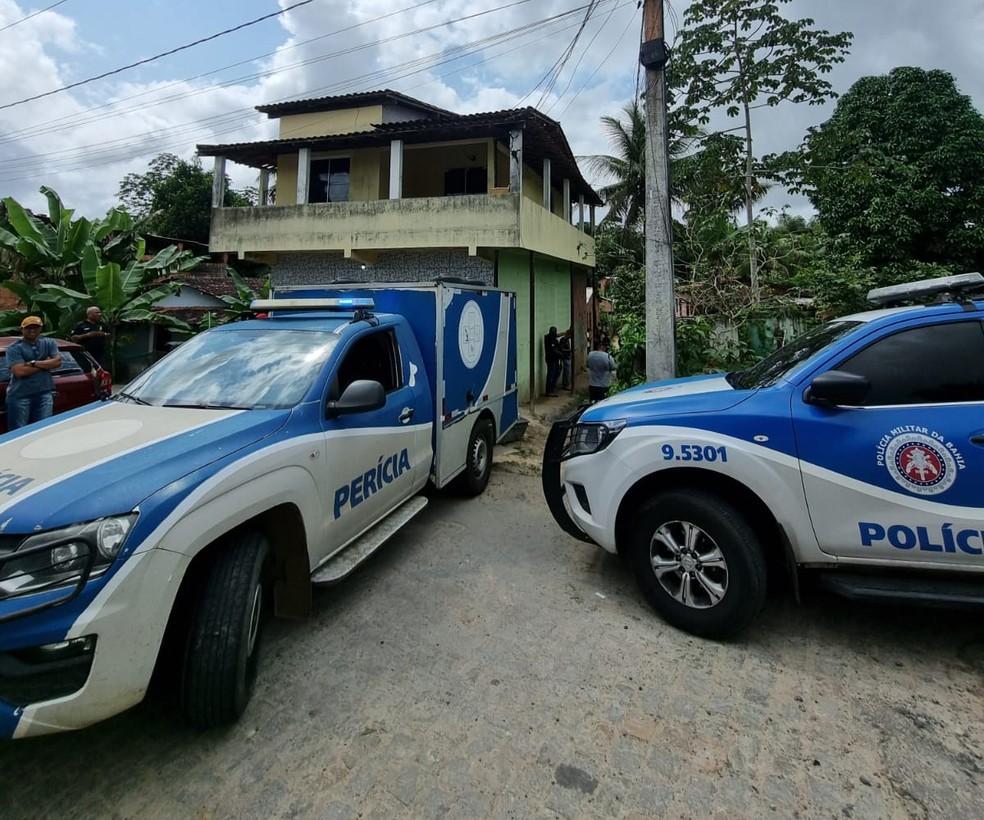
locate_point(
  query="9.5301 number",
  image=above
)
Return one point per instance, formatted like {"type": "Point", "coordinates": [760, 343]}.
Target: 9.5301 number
{"type": "Point", "coordinates": [694, 452]}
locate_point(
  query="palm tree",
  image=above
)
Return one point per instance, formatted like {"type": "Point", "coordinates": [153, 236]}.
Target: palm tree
{"type": "Point", "coordinates": [626, 194]}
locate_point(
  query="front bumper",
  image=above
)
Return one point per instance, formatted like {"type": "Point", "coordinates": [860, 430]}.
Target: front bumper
{"type": "Point", "coordinates": [127, 620]}
{"type": "Point", "coordinates": [554, 490]}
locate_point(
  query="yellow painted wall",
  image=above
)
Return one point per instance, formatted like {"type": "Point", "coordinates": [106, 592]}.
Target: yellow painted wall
{"type": "Point", "coordinates": [365, 174]}
{"type": "Point", "coordinates": [423, 168]}
{"type": "Point", "coordinates": [321, 123]}
{"type": "Point", "coordinates": [287, 179]}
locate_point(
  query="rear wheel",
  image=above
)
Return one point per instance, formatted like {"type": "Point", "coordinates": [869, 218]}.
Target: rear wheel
{"type": "Point", "coordinates": [699, 563]}
{"type": "Point", "coordinates": [222, 653]}
{"type": "Point", "coordinates": [478, 460]}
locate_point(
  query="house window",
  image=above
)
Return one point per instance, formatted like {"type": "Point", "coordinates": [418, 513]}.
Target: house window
{"type": "Point", "coordinates": [460, 181]}
{"type": "Point", "coordinates": [329, 180]}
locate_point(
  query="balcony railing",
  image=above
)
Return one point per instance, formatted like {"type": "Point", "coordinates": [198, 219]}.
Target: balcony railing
{"type": "Point", "coordinates": [473, 221]}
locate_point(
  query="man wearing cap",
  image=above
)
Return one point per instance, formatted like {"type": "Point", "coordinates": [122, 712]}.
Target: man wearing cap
{"type": "Point", "coordinates": [31, 360]}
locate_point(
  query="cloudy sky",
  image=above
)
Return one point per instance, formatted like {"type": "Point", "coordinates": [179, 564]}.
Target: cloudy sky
{"type": "Point", "coordinates": [81, 142]}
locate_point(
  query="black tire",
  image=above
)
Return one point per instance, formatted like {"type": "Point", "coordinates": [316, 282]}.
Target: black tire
{"type": "Point", "coordinates": [740, 580]}
{"type": "Point", "coordinates": [220, 660]}
{"type": "Point", "coordinates": [478, 460]}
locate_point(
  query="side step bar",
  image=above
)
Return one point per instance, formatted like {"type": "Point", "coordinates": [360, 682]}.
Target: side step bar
{"type": "Point", "coordinates": [342, 563]}
{"type": "Point", "coordinates": [915, 590]}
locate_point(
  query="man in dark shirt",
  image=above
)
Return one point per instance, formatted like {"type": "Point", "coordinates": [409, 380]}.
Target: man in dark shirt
{"type": "Point", "coordinates": [31, 359]}
{"type": "Point", "coordinates": [92, 335]}
{"type": "Point", "coordinates": [551, 351]}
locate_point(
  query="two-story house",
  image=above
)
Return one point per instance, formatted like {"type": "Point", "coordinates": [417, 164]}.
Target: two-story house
{"type": "Point", "coordinates": [382, 187]}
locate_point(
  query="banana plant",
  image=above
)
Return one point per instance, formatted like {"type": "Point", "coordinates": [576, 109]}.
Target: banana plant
{"type": "Point", "coordinates": [39, 250]}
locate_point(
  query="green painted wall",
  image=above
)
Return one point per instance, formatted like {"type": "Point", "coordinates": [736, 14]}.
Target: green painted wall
{"type": "Point", "coordinates": [514, 274]}
{"type": "Point", "coordinates": [553, 307]}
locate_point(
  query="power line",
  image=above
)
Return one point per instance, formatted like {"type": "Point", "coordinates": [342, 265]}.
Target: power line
{"type": "Point", "coordinates": [606, 58]}
{"type": "Point", "coordinates": [32, 15]}
{"type": "Point", "coordinates": [21, 163]}
{"type": "Point", "coordinates": [580, 59]}
{"type": "Point", "coordinates": [72, 120]}
{"type": "Point", "coordinates": [168, 53]}
{"type": "Point", "coordinates": [14, 136]}
{"type": "Point", "coordinates": [566, 55]}
{"type": "Point", "coordinates": [92, 156]}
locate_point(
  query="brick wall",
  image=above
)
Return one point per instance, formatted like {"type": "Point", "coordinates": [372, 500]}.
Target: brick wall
{"type": "Point", "coordinates": [395, 266]}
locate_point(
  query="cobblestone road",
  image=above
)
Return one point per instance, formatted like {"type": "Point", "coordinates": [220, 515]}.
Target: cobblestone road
{"type": "Point", "coordinates": [488, 666]}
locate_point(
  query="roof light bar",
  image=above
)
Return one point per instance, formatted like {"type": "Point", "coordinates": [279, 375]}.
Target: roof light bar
{"type": "Point", "coordinates": [342, 304]}
{"type": "Point", "coordinates": [926, 288]}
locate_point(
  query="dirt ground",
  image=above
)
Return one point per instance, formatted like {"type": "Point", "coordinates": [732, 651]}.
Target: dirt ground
{"type": "Point", "coordinates": [486, 665]}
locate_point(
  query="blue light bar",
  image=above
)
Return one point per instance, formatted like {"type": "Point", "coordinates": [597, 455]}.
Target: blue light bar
{"type": "Point", "coordinates": [348, 303]}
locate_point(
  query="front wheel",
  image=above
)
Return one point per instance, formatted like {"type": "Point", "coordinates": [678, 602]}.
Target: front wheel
{"type": "Point", "coordinates": [478, 460]}
{"type": "Point", "coordinates": [222, 652]}
{"type": "Point", "coordinates": [699, 563]}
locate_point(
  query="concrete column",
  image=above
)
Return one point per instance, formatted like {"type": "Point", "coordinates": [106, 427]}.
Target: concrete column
{"type": "Point", "coordinates": [303, 175]}
{"type": "Point", "coordinates": [490, 164]}
{"type": "Point", "coordinates": [516, 161]}
{"type": "Point", "coordinates": [567, 200]}
{"type": "Point", "coordinates": [580, 212]}
{"type": "Point", "coordinates": [218, 182]}
{"type": "Point", "coordinates": [396, 169]}
{"type": "Point", "coordinates": [547, 188]}
{"type": "Point", "coordinates": [264, 193]}
{"type": "Point", "coordinates": [591, 210]}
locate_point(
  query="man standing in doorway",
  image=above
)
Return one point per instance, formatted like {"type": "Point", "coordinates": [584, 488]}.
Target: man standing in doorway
{"type": "Point", "coordinates": [30, 394]}
{"type": "Point", "coordinates": [600, 368]}
{"type": "Point", "coordinates": [551, 351]}
{"type": "Point", "coordinates": [566, 351]}
{"type": "Point", "coordinates": [92, 335]}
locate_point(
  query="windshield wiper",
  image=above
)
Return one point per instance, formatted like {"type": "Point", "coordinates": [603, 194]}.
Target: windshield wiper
{"type": "Point", "coordinates": [132, 398]}
{"type": "Point", "coordinates": [200, 406]}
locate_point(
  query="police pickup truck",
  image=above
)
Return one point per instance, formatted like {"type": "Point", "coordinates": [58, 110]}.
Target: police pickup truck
{"type": "Point", "coordinates": [257, 459]}
{"type": "Point", "coordinates": [855, 453]}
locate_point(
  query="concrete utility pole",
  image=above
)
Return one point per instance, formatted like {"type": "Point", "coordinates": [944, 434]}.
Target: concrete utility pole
{"type": "Point", "coordinates": [660, 343]}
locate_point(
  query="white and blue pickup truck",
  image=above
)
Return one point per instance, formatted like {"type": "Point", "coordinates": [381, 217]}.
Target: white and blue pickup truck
{"type": "Point", "coordinates": [853, 456]}
{"type": "Point", "coordinates": [255, 460]}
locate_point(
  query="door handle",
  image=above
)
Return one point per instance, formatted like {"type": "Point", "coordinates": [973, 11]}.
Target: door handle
{"type": "Point", "coordinates": [406, 415]}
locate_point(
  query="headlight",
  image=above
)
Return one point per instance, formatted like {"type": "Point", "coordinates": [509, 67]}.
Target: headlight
{"type": "Point", "coordinates": [60, 557]}
{"type": "Point", "coordinates": [593, 437]}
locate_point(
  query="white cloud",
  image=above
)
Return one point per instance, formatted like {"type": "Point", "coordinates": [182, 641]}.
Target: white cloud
{"type": "Point", "coordinates": [94, 155]}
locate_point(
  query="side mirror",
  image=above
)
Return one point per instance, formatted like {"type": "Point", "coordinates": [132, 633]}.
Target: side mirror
{"type": "Point", "coordinates": [836, 387]}
{"type": "Point", "coordinates": [359, 397]}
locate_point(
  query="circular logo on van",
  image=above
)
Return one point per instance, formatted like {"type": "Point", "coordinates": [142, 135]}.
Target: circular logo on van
{"type": "Point", "coordinates": [920, 464]}
{"type": "Point", "coordinates": [471, 335]}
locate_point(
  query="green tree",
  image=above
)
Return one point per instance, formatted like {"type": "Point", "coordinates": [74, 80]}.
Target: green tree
{"type": "Point", "coordinates": [712, 179]}
{"type": "Point", "coordinates": [626, 168]}
{"type": "Point", "coordinates": [174, 196]}
{"type": "Point", "coordinates": [898, 173]}
{"type": "Point", "coordinates": [57, 266]}
{"type": "Point", "coordinates": [738, 55]}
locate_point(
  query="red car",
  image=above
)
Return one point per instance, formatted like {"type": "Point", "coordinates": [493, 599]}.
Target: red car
{"type": "Point", "coordinates": [78, 381]}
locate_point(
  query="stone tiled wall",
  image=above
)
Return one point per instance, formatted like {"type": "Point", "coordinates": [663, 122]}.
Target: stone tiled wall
{"type": "Point", "coordinates": [396, 266]}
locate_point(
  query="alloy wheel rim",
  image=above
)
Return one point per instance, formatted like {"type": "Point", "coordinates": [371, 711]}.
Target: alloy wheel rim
{"type": "Point", "coordinates": [688, 564]}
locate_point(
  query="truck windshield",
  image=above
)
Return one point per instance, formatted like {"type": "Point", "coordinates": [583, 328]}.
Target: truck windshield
{"type": "Point", "coordinates": [242, 369]}
{"type": "Point", "coordinates": [772, 368]}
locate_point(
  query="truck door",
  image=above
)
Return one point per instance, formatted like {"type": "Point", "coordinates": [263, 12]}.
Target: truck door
{"type": "Point", "coordinates": [899, 478]}
{"type": "Point", "coordinates": [372, 458]}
